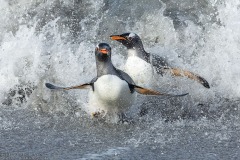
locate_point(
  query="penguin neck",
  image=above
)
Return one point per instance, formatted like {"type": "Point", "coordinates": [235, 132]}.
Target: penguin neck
{"type": "Point", "coordinates": [105, 67]}
{"type": "Point", "coordinates": [139, 52]}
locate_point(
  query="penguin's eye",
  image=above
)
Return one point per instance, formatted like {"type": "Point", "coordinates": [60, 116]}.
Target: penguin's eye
{"type": "Point", "coordinates": [130, 38]}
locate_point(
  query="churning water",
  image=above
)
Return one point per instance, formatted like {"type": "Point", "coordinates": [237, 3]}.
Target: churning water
{"type": "Point", "coordinates": [54, 41]}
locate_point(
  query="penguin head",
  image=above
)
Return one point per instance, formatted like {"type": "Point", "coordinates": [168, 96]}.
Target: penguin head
{"type": "Point", "coordinates": [103, 52]}
{"type": "Point", "coordinates": [129, 40]}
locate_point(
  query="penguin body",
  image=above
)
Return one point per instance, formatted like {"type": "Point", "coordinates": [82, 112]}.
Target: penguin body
{"type": "Point", "coordinates": [135, 49]}
{"type": "Point", "coordinates": [140, 71]}
{"type": "Point", "coordinates": [111, 90]}
{"type": "Point", "coordinates": [111, 95]}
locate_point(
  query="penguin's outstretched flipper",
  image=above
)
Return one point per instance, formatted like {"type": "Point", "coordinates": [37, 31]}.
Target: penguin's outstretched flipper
{"type": "Point", "coordinates": [146, 91]}
{"type": "Point", "coordinates": [53, 87]}
{"type": "Point", "coordinates": [183, 73]}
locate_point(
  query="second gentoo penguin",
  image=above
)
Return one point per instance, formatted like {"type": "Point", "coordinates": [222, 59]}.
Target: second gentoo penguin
{"type": "Point", "coordinates": [140, 64]}
{"type": "Point", "coordinates": [112, 90]}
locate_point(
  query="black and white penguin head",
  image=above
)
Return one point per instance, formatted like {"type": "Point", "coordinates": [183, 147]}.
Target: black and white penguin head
{"type": "Point", "coordinates": [103, 52]}
{"type": "Point", "coordinates": [129, 40]}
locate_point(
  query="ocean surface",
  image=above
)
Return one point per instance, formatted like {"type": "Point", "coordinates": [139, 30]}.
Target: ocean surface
{"type": "Point", "coordinates": [54, 41]}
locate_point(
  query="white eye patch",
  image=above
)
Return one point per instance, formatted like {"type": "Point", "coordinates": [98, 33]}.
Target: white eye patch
{"type": "Point", "coordinates": [132, 35]}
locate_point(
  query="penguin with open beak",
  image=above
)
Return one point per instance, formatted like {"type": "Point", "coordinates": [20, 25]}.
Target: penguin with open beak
{"type": "Point", "coordinates": [112, 90]}
{"type": "Point", "coordinates": [141, 65]}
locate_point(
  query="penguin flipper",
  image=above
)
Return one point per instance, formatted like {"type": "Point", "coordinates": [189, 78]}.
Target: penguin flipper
{"type": "Point", "coordinates": [146, 91]}
{"type": "Point", "coordinates": [125, 76]}
{"type": "Point", "coordinates": [183, 73]}
{"type": "Point", "coordinates": [53, 87]}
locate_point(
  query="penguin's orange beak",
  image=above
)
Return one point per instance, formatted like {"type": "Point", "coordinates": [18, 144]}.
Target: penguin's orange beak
{"type": "Point", "coordinates": [117, 37]}
{"type": "Point", "coordinates": [104, 51]}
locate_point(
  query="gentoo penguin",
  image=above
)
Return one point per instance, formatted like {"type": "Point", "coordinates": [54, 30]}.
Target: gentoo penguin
{"type": "Point", "coordinates": [112, 90]}
{"type": "Point", "coordinates": [140, 64]}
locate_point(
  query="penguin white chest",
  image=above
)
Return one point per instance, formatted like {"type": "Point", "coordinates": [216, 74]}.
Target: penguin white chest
{"type": "Point", "coordinates": [139, 70]}
{"type": "Point", "coordinates": [112, 93]}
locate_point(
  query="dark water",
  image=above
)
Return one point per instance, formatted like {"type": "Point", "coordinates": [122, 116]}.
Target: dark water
{"type": "Point", "coordinates": [53, 41]}
{"type": "Point", "coordinates": [28, 135]}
